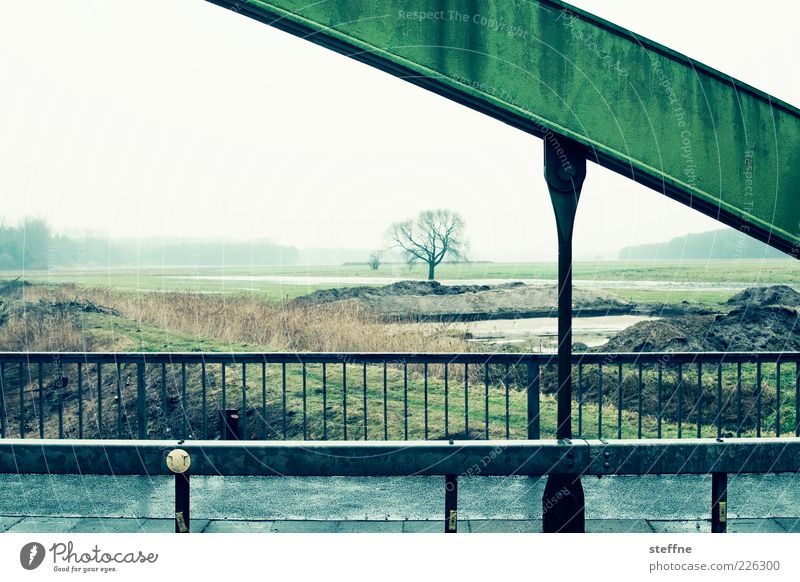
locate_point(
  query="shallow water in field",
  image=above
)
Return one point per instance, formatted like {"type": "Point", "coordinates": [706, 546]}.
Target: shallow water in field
{"type": "Point", "coordinates": [540, 333]}
{"type": "Point", "coordinates": [584, 283]}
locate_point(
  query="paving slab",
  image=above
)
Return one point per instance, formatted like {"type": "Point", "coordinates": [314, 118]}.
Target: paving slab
{"type": "Point", "coordinates": [304, 526]}
{"type": "Point", "coordinates": [6, 522]}
{"type": "Point", "coordinates": [618, 526]}
{"type": "Point", "coordinates": [45, 525]}
{"type": "Point", "coordinates": [503, 526]}
{"type": "Point", "coordinates": [391, 526]}
{"type": "Point", "coordinates": [423, 526]}
{"type": "Point", "coordinates": [755, 526]}
{"type": "Point", "coordinates": [237, 526]}
{"type": "Point", "coordinates": [790, 524]}
{"type": "Point", "coordinates": [704, 525]}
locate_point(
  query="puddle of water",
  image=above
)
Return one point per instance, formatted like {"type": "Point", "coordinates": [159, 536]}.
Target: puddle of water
{"type": "Point", "coordinates": [584, 283]}
{"type": "Point", "coordinates": [541, 333]}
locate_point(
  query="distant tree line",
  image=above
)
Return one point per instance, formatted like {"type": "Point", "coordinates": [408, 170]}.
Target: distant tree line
{"type": "Point", "coordinates": [716, 244]}
{"type": "Point", "coordinates": [32, 245]}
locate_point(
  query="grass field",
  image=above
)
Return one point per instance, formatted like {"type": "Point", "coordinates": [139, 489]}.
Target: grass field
{"type": "Point", "coordinates": [628, 277]}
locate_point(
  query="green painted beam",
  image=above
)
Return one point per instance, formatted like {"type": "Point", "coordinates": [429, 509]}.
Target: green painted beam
{"type": "Point", "coordinates": [547, 68]}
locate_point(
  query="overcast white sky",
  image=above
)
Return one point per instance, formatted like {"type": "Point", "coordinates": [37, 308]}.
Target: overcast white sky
{"type": "Point", "coordinates": [178, 118]}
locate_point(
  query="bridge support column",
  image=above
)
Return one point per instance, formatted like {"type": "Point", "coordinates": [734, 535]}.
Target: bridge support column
{"type": "Point", "coordinates": [564, 171]}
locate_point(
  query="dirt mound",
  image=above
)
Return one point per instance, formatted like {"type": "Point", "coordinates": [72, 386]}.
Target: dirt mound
{"type": "Point", "coordinates": [401, 288]}
{"type": "Point", "coordinates": [769, 328]}
{"type": "Point", "coordinates": [761, 296]}
{"type": "Point", "coordinates": [431, 300]}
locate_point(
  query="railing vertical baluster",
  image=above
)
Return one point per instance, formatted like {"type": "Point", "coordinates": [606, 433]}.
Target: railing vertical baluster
{"type": "Point", "coordinates": [224, 388]}
{"type": "Point", "coordinates": [385, 405]}
{"type": "Point", "coordinates": [600, 401]}
{"type": "Point", "coordinates": [80, 400]}
{"type": "Point", "coordinates": [184, 414]}
{"type": "Point", "coordinates": [119, 400]}
{"type": "Point", "coordinates": [640, 391]}
{"type": "Point", "coordinates": [580, 400]}
{"type": "Point", "coordinates": [446, 403]}
{"type": "Point", "coordinates": [264, 423]}
{"type": "Point", "coordinates": [466, 401]}
{"type": "Point", "coordinates": [141, 401]}
{"type": "Point", "coordinates": [283, 397]}
{"type": "Point", "coordinates": [22, 402]}
{"type": "Point", "coordinates": [758, 399]}
{"type": "Point", "coordinates": [41, 400]}
{"type": "Point", "coordinates": [3, 416]}
{"type": "Point", "coordinates": [405, 399]}
{"type": "Point", "coordinates": [324, 401]}
{"type": "Point", "coordinates": [61, 413]}
{"type": "Point", "coordinates": [660, 397]}
{"type": "Point", "coordinates": [344, 399]}
{"type": "Point", "coordinates": [719, 400]}
{"type": "Point", "coordinates": [486, 397]}
{"type": "Point", "coordinates": [797, 398]}
{"type": "Point", "coordinates": [507, 381]}
{"type": "Point", "coordinates": [738, 399]}
{"type": "Point", "coordinates": [619, 401]}
{"type": "Point", "coordinates": [365, 401]}
{"type": "Point", "coordinates": [99, 371]}
{"type": "Point", "coordinates": [243, 416]}
{"type": "Point", "coordinates": [680, 400]}
{"type": "Point", "coordinates": [425, 404]}
{"type": "Point", "coordinates": [204, 396]}
{"type": "Point", "coordinates": [699, 399]}
{"type": "Point", "coordinates": [305, 406]}
{"type": "Point", "coordinates": [534, 381]}
{"type": "Point", "coordinates": [778, 400]}
{"type": "Point", "coordinates": [164, 395]}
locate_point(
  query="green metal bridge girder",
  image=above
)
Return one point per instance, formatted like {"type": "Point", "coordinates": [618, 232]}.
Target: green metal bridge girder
{"type": "Point", "coordinates": [550, 69]}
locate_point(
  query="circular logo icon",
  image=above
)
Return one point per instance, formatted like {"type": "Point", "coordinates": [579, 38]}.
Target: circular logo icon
{"type": "Point", "coordinates": [31, 555]}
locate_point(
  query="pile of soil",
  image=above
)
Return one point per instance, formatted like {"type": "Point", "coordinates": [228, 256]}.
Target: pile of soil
{"type": "Point", "coordinates": [764, 319]}
{"type": "Point", "coordinates": [429, 300]}
{"type": "Point", "coordinates": [761, 296]}
{"type": "Point", "coordinates": [401, 288]}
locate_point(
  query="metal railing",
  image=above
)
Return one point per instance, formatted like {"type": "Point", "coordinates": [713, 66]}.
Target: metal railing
{"type": "Point", "coordinates": [452, 460]}
{"type": "Point", "coordinates": [394, 396]}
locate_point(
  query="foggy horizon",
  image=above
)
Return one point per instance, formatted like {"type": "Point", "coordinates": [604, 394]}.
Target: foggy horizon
{"type": "Point", "coordinates": [163, 136]}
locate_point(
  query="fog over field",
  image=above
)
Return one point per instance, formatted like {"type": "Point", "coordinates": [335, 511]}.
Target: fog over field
{"type": "Point", "coordinates": [166, 134]}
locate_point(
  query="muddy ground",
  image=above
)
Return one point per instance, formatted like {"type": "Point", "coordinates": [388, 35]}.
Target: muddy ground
{"type": "Point", "coordinates": [429, 300]}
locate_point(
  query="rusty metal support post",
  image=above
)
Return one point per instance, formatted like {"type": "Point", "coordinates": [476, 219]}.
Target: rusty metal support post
{"type": "Point", "coordinates": [450, 504]}
{"type": "Point", "coordinates": [719, 502]}
{"type": "Point", "coordinates": [178, 462]}
{"type": "Point", "coordinates": [231, 427]}
{"type": "Point", "coordinates": [564, 172]}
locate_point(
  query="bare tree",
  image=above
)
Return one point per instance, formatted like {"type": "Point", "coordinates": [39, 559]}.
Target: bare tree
{"type": "Point", "coordinates": [375, 260]}
{"type": "Point", "coordinates": [431, 238]}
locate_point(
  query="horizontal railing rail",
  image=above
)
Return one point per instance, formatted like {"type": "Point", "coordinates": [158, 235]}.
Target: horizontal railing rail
{"type": "Point", "coordinates": [452, 460]}
{"type": "Point", "coordinates": [405, 459]}
{"type": "Point", "coordinates": [394, 396]}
